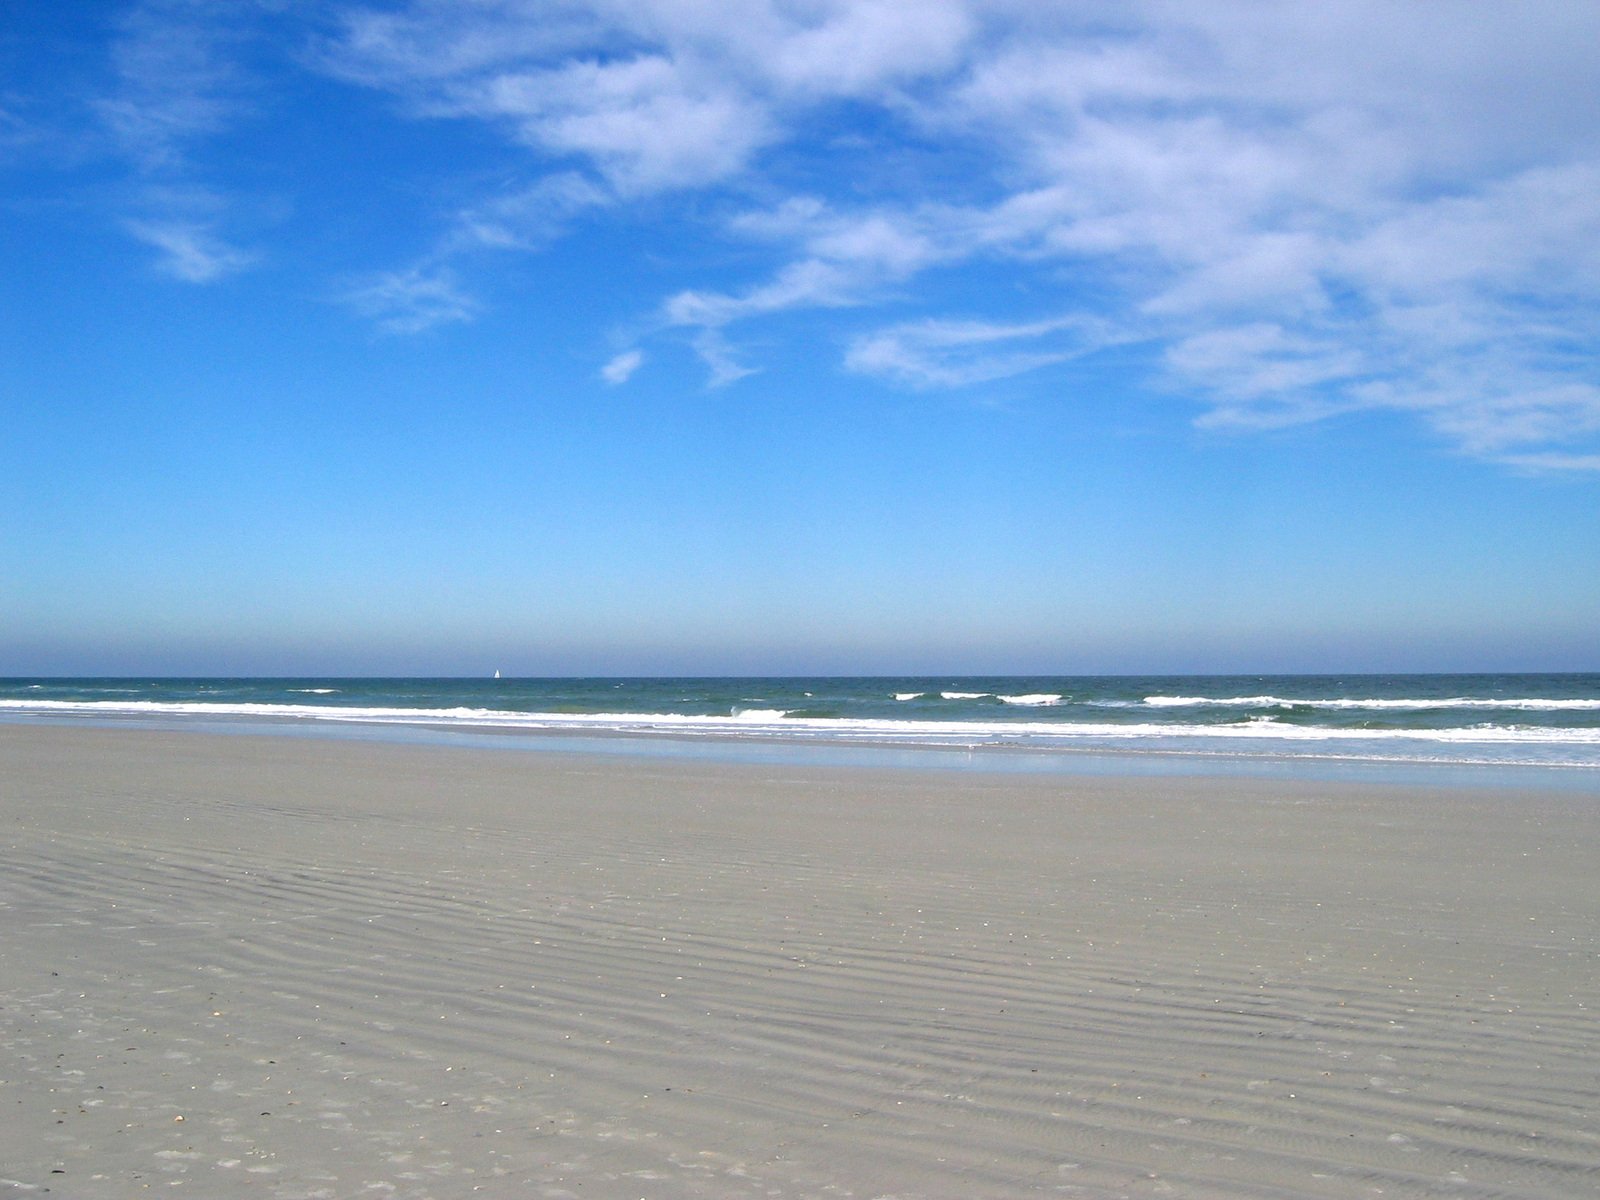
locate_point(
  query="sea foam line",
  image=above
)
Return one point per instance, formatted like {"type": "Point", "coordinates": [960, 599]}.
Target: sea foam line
{"type": "Point", "coordinates": [1028, 700]}
{"type": "Point", "coordinates": [1528, 704]}
{"type": "Point", "coordinates": [777, 723]}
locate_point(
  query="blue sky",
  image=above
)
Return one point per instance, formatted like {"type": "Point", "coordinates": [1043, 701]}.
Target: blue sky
{"type": "Point", "coordinates": [672, 336]}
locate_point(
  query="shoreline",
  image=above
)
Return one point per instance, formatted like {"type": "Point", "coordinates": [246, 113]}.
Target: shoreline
{"type": "Point", "coordinates": [358, 967]}
{"type": "Point", "coordinates": [758, 748]}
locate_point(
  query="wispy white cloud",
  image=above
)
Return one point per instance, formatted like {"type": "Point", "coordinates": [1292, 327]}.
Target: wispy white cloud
{"type": "Point", "coordinates": [847, 260]}
{"type": "Point", "coordinates": [720, 359]}
{"type": "Point", "coordinates": [177, 84]}
{"type": "Point", "coordinates": [621, 368]}
{"type": "Point", "coordinates": [856, 49]}
{"type": "Point", "coordinates": [525, 218]}
{"type": "Point", "coordinates": [412, 300]}
{"type": "Point", "coordinates": [1513, 413]}
{"type": "Point", "coordinates": [175, 81]}
{"type": "Point", "coordinates": [550, 75]}
{"type": "Point", "coordinates": [1365, 235]}
{"type": "Point", "coordinates": [809, 283]}
{"type": "Point", "coordinates": [654, 97]}
{"type": "Point", "coordinates": [1552, 461]}
{"type": "Point", "coordinates": [398, 46]}
{"type": "Point", "coordinates": [961, 353]}
{"type": "Point", "coordinates": [1264, 374]}
{"type": "Point", "coordinates": [1306, 210]}
{"type": "Point", "coordinates": [190, 251]}
{"type": "Point", "coordinates": [644, 123]}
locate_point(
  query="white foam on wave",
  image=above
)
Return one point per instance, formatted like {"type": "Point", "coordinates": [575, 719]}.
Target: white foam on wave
{"type": "Point", "coordinates": [903, 696]}
{"type": "Point", "coordinates": [964, 695]}
{"type": "Point", "coordinates": [1481, 743]}
{"type": "Point", "coordinates": [1525, 704]}
{"type": "Point", "coordinates": [1032, 700]}
{"type": "Point", "coordinates": [1254, 726]}
{"type": "Point", "coordinates": [316, 691]}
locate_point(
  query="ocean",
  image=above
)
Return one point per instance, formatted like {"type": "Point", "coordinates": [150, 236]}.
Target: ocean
{"type": "Point", "coordinates": [1501, 720]}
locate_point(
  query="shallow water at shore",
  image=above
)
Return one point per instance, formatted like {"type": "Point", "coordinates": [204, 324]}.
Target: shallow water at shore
{"type": "Point", "coordinates": [990, 758]}
{"type": "Point", "coordinates": [1400, 727]}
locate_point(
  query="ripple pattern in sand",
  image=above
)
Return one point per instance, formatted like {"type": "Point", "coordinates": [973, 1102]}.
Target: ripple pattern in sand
{"type": "Point", "coordinates": [693, 983]}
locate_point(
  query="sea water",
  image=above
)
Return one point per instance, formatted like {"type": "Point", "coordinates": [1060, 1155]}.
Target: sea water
{"type": "Point", "coordinates": [1506, 720]}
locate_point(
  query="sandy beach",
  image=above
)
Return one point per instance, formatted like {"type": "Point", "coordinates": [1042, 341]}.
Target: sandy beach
{"type": "Point", "coordinates": [290, 967]}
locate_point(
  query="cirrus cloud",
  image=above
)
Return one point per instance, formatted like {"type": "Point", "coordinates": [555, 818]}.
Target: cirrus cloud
{"type": "Point", "coordinates": [1303, 210]}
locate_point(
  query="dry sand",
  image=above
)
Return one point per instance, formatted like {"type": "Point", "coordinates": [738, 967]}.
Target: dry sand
{"type": "Point", "coordinates": [289, 967]}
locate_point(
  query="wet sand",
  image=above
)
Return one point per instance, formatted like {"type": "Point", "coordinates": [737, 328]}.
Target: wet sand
{"type": "Point", "coordinates": [290, 967]}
